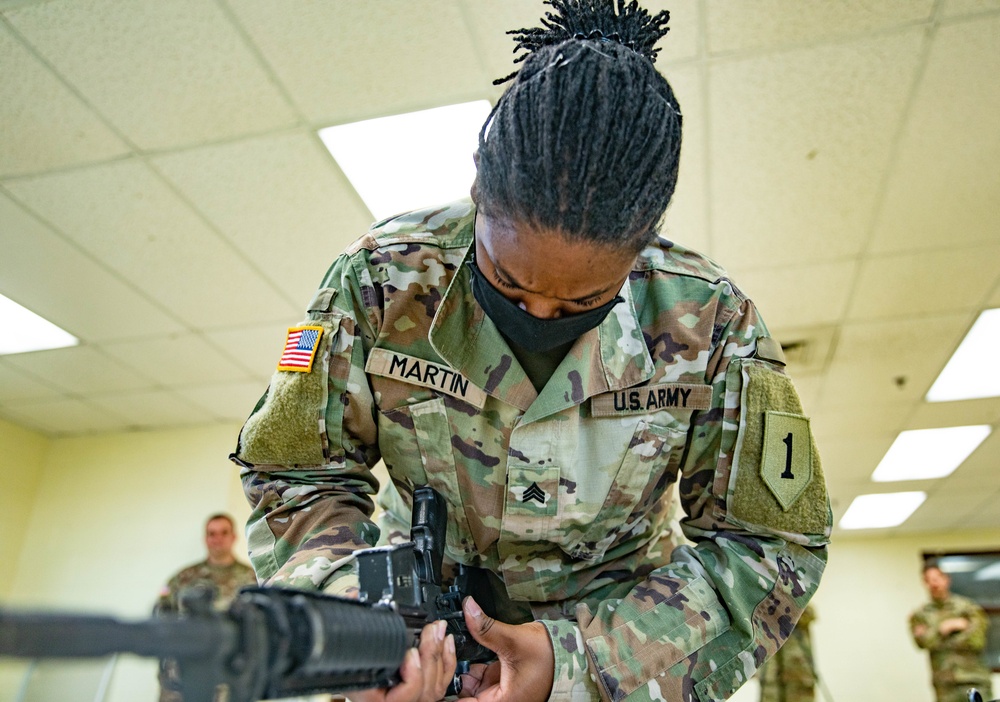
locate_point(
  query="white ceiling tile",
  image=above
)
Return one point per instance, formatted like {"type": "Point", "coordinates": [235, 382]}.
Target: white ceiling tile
{"type": "Point", "coordinates": [953, 8]}
{"type": "Point", "coordinates": [941, 512]}
{"type": "Point", "coordinates": [16, 384]}
{"type": "Point", "coordinates": [927, 415]}
{"type": "Point", "coordinates": [44, 125]}
{"type": "Point", "coordinates": [44, 272]}
{"type": "Point", "coordinates": [883, 420]}
{"type": "Point", "coordinates": [80, 370]}
{"type": "Point", "coordinates": [871, 357]}
{"type": "Point", "coordinates": [165, 73]}
{"type": "Point", "coordinates": [152, 409]}
{"type": "Point", "coordinates": [735, 25]}
{"type": "Point", "coordinates": [278, 199]}
{"type": "Point", "coordinates": [799, 296]}
{"type": "Point", "coordinates": [257, 348]}
{"type": "Point", "coordinates": [685, 219]}
{"type": "Point", "coordinates": [986, 513]}
{"type": "Point", "coordinates": [808, 388]}
{"type": "Point", "coordinates": [63, 417]}
{"type": "Point", "coordinates": [852, 458]}
{"type": "Point", "coordinates": [925, 282]}
{"type": "Point", "coordinates": [945, 181]}
{"type": "Point", "coordinates": [230, 401]}
{"type": "Point", "coordinates": [799, 144]}
{"type": "Point", "coordinates": [346, 60]}
{"type": "Point", "coordinates": [177, 360]}
{"type": "Point", "coordinates": [125, 215]}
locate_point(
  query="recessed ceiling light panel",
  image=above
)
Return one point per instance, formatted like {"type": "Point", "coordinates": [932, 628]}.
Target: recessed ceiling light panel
{"type": "Point", "coordinates": [881, 511]}
{"type": "Point", "coordinates": [21, 330]}
{"type": "Point", "coordinates": [924, 454]}
{"type": "Point", "coordinates": [412, 160]}
{"type": "Point", "coordinates": [972, 372]}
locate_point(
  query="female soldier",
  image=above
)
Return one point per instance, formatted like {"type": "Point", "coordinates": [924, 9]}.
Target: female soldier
{"type": "Point", "coordinates": [553, 368]}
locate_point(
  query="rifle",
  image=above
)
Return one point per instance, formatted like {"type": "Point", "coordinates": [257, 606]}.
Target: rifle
{"type": "Point", "coordinates": [273, 643]}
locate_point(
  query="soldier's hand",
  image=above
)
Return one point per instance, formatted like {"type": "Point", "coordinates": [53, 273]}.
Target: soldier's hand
{"type": "Point", "coordinates": [525, 663]}
{"type": "Point", "coordinates": [950, 626]}
{"type": "Point", "coordinates": [426, 673]}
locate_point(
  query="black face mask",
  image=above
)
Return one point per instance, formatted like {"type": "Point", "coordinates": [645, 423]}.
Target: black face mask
{"type": "Point", "coordinates": [527, 331]}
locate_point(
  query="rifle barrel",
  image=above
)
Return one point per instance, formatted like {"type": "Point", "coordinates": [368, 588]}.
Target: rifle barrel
{"type": "Point", "coordinates": [37, 634]}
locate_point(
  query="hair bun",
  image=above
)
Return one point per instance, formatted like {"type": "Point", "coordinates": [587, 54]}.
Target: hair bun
{"type": "Point", "coordinates": [604, 20]}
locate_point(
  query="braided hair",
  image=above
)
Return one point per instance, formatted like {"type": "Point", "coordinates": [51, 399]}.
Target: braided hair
{"type": "Point", "coordinates": [586, 139]}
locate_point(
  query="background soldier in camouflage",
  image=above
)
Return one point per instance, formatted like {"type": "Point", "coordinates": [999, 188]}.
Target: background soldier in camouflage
{"type": "Point", "coordinates": [953, 630]}
{"type": "Point", "coordinates": [554, 369]}
{"type": "Point", "coordinates": [790, 676]}
{"type": "Point", "coordinates": [221, 572]}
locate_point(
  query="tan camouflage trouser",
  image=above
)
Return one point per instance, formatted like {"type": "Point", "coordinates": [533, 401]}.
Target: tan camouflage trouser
{"type": "Point", "coordinates": [787, 693]}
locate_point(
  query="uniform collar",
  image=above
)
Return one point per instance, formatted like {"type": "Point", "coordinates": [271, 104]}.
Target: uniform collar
{"type": "Point", "coordinates": [610, 357]}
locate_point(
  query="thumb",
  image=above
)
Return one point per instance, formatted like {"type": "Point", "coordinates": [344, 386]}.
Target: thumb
{"type": "Point", "coordinates": [485, 629]}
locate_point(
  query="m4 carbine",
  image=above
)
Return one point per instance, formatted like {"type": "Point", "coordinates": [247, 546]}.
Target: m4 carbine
{"type": "Point", "coordinates": [273, 643]}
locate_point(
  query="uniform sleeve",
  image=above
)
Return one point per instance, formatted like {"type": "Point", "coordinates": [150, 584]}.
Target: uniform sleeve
{"type": "Point", "coordinates": [924, 635]}
{"type": "Point", "coordinates": [307, 449]}
{"type": "Point", "coordinates": [974, 637]}
{"type": "Point", "coordinates": [759, 516]}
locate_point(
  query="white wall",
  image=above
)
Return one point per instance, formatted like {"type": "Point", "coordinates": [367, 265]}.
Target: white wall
{"type": "Point", "coordinates": [22, 453]}
{"type": "Point", "coordinates": [114, 516]}
{"type": "Point", "coordinates": [861, 637]}
{"type": "Point", "coordinates": [99, 523]}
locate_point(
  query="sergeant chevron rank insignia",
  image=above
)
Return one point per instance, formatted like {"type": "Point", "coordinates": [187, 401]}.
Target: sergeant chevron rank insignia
{"type": "Point", "coordinates": [651, 398]}
{"type": "Point", "coordinates": [534, 493]}
{"type": "Point", "coordinates": [428, 374]}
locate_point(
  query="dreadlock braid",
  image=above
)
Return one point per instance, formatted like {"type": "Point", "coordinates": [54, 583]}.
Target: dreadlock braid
{"type": "Point", "coordinates": [586, 139]}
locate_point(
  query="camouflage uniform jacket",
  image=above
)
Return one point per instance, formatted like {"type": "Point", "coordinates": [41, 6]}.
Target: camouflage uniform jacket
{"type": "Point", "coordinates": [227, 581]}
{"type": "Point", "coordinates": [565, 493]}
{"type": "Point", "coordinates": [955, 659]}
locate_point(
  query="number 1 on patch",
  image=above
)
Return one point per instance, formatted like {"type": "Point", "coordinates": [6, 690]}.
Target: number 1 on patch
{"type": "Point", "coordinates": [786, 463]}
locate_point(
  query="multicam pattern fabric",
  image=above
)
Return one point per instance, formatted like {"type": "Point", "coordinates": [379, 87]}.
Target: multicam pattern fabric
{"type": "Point", "coordinates": [226, 581]}
{"type": "Point", "coordinates": [956, 659]}
{"type": "Point", "coordinates": [790, 676]}
{"type": "Point", "coordinates": [628, 615]}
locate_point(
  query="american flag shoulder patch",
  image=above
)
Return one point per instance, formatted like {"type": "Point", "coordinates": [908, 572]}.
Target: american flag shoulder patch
{"type": "Point", "coordinates": [301, 344]}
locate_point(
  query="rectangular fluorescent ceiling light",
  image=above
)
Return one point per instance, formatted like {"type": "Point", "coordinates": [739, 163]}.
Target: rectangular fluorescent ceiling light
{"type": "Point", "coordinates": [972, 371]}
{"type": "Point", "coordinates": [881, 511]}
{"type": "Point", "coordinates": [21, 330]}
{"type": "Point", "coordinates": [405, 162]}
{"type": "Point", "coordinates": [929, 453]}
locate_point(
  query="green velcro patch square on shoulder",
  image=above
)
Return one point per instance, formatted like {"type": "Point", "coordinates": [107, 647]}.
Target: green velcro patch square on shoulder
{"type": "Point", "coordinates": [777, 481]}
{"type": "Point", "coordinates": [786, 461]}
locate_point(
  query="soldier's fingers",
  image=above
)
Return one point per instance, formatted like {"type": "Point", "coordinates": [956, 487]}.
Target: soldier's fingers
{"type": "Point", "coordinates": [412, 686]}
{"type": "Point", "coordinates": [432, 660]}
{"type": "Point", "coordinates": [448, 662]}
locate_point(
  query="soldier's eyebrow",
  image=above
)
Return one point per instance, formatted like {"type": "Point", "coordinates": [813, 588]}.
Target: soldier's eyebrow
{"type": "Point", "coordinates": [513, 281]}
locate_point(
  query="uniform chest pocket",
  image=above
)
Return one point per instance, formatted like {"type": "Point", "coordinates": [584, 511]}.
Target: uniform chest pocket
{"type": "Point", "coordinates": [650, 464]}
{"type": "Point", "coordinates": [416, 445]}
